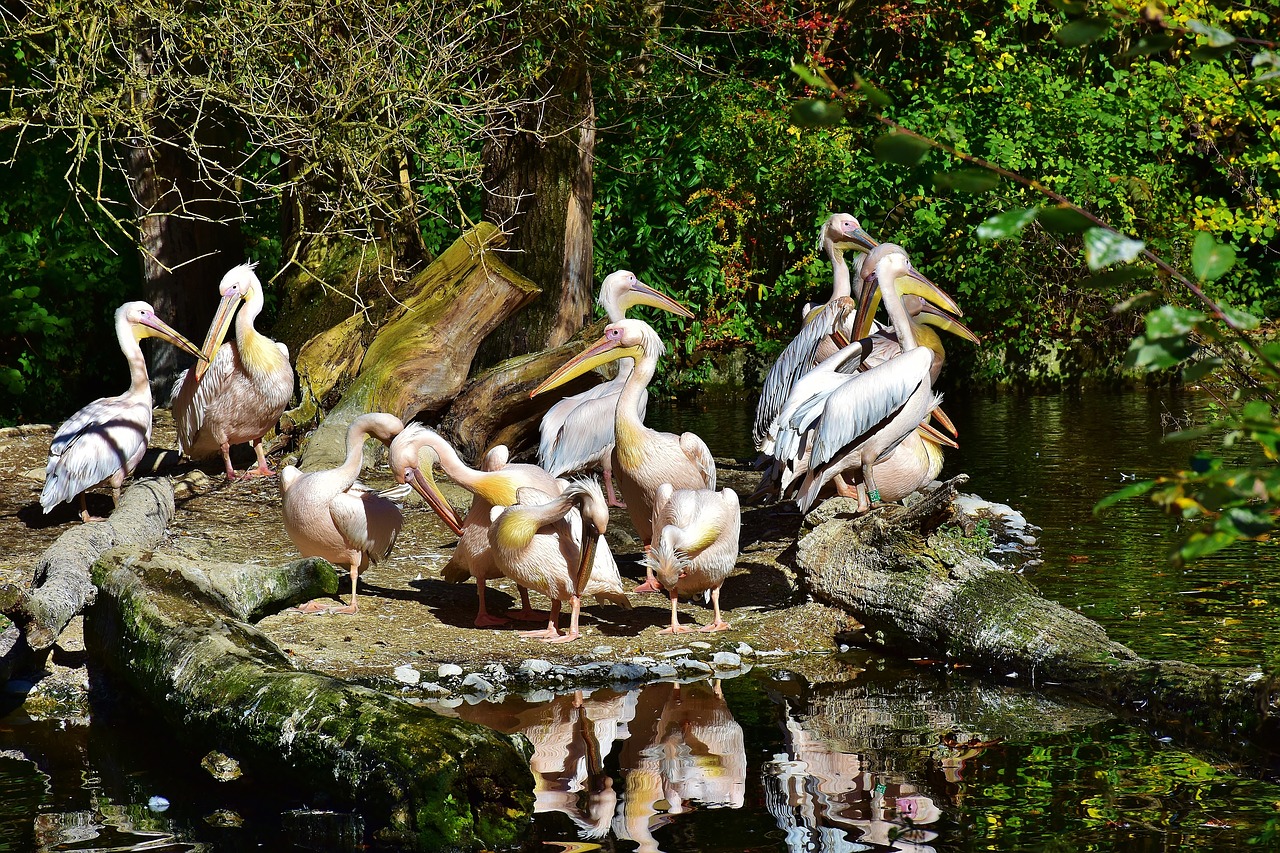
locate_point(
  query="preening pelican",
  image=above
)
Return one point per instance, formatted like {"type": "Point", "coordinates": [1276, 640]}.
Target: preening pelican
{"type": "Point", "coordinates": [643, 459]}
{"type": "Point", "coordinates": [696, 546]}
{"type": "Point", "coordinates": [577, 432]}
{"type": "Point", "coordinates": [246, 386]}
{"type": "Point", "coordinates": [107, 438]}
{"type": "Point", "coordinates": [840, 232]}
{"type": "Point", "coordinates": [498, 487]}
{"type": "Point", "coordinates": [913, 464]}
{"type": "Point", "coordinates": [550, 544]}
{"type": "Point", "coordinates": [868, 416]}
{"type": "Point", "coordinates": [328, 514]}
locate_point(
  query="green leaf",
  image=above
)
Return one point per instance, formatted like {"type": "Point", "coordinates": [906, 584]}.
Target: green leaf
{"type": "Point", "coordinates": [1214, 36]}
{"type": "Point", "coordinates": [1064, 220]}
{"type": "Point", "coordinates": [1262, 60]}
{"type": "Point", "coordinates": [874, 95]}
{"type": "Point", "coordinates": [806, 74]}
{"type": "Point", "coordinates": [1159, 354]}
{"type": "Point", "coordinates": [1200, 368]}
{"type": "Point", "coordinates": [816, 113]}
{"type": "Point", "coordinates": [1202, 544]}
{"type": "Point", "coordinates": [1137, 301]}
{"type": "Point", "coordinates": [1249, 522]}
{"type": "Point", "coordinates": [1241, 319]}
{"type": "Point", "coordinates": [967, 180]}
{"type": "Point", "coordinates": [1209, 258]}
{"type": "Point", "coordinates": [1007, 224]}
{"type": "Point", "coordinates": [1256, 410]}
{"type": "Point", "coordinates": [1108, 279]}
{"type": "Point", "coordinates": [1070, 7]}
{"type": "Point", "coordinates": [1148, 45]}
{"type": "Point", "coordinates": [1103, 247]}
{"type": "Point", "coordinates": [1130, 491]}
{"type": "Point", "coordinates": [1170, 321]}
{"type": "Point", "coordinates": [1080, 32]}
{"type": "Point", "coordinates": [901, 148]}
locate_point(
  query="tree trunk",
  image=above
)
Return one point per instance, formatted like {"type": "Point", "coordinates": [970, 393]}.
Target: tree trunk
{"type": "Point", "coordinates": [161, 626]}
{"type": "Point", "coordinates": [538, 189]}
{"type": "Point", "coordinates": [922, 589]}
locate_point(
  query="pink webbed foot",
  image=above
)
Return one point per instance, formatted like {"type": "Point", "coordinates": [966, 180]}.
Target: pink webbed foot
{"type": "Point", "coordinates": [259, 472]}
{"type": "Point", "coordinates": [548, 634]}
{"type": "Point", "coordinates": [528, 614]}
{"type": "Point", "coordinates": [648, 586]}
{"type": "Point", "coordinates": [488, 620]}
{"type": "Point", "coordinates": [715, 626]}
{"type": "Point", "coordinates": [676, 629]}
{"type": "Point", "coordinates": [567, 637]}
{"type": "Point", "coordinates": [311, 608]}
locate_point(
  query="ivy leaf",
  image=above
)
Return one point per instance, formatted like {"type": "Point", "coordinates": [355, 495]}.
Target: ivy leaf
{"type": "Point", "coordinates": [1214, 36]}
{"type": "Point", "coordinates": [1209, 258]}
{"type": "Point", "coordinates": [806, 74]}
{"type": "Point", "coordinates": [1130, 491]}
{"type": "Point", "coordinates": [1200, 368]}
{"type": "Point", "coordinates": [874, 94]}
{"type": "Point", "coordinates": [1170, 321]}
{"type": "Point", "coordinates": [1148, 45]}
{"type": "Point", "coordinates": [816, 113]}
{"type": "Point", "coordinates": [901, 148]}
{"type": "Point", "coordinates": [967, 180]}
{"type": "Point", "coordinates": [1007, 224]}
{"type": "Point", "coordinates": [1103, 247]}
{"type": "Point", "coordinates": [1108, 279]}
{"type": "Point", "coordinates": [1080, 32]}
{"type": "Point", "coordinates": [1064, 220]}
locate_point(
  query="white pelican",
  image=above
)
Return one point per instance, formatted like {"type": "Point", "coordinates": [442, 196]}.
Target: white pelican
{"type": "Point", "coordinates": [696, 546]}
{"type": "Point", "coordinates": [550, 544]}
{"type": "Point", "coordinates": [643, 459]}
{"type": "Point", "coordinates": [496, 485]}
{"type": "Point", "coordinates": [577, 432]}
{"type": "Point", "coordinates": [868, 416]}
{"type": "Point", "coordinates": [108, 438]}
{"type": "Point", "coordinates": [328, 514]}
{"type": "Point", "coordinates": [246, 386]}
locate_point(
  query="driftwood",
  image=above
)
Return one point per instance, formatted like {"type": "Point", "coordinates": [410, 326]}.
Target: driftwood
{"type": "Point", "coordinates": [917, 589]}
{"type": "Point", "coordinates": [165, 627]}
{"type": "Point", "coordinates": [495, 407]}
{"type": "Point", "coordinates": [419, 359]}
{"type": "Point", "coordinates": [61, 586]}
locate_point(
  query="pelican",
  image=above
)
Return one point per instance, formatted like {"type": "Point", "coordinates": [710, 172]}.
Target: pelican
{"type": "Point", "coordinates": [496, 486]}
{"type": "Point", "coordinates": [107, 438]}
{"type": "Point", "coordinates": [328, 514]}
{"type": "Point", "coordinates": [927, 309]}
{"type": "Point", "coordinates": [245, 388]}
{"type": "Point", "coordinates": [913, 464]}
{"type": "Point", "coordinates": [866, 417]}
{"type": "Point", "coordinates": [697, 546]}
{"type": "Point", "coordinates": [549, 543]}
{"type": "Point", "coordinates": [577, 432]}
{"type": "Point", "coordinates": [643, 459]}
{"type": "Point", "coordinates": [841, 231]}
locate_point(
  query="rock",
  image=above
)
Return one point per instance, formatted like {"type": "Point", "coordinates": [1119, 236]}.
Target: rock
{"type": "Point", "coordinates": [536, 666]}
{"type": "Point", "coordinates": [627, 672]}
{"type": "Point", "coordinates": [158, 804]}
{"type": "Point", "coordinates": [691, 665]}
{"type": "Point", "coordinates": [477, 683]}
{"type": "Point", "coordinates": [675, 653]}
{"type": "Point", "coordinates": [407, 674]}
{"type": "Point", "coordinates": [726, 660]}
{"type": "Point", "coordinates": [602, 651]}
{"type": "Point", "coordinates": [448, 670]}
{"type": "Point", "coordinates": [744, 649]}
{"type": "Point", "coordinates": [699, 644]}
{"type": "Point", "coordinates": [222, 767]}
{"type": "Point", "coordinates": [664, 670]}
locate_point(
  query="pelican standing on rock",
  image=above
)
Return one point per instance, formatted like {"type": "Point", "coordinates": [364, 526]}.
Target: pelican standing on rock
{"type": "Point", "coordinates": [550, 544]}
{"type": "Point", "coordinates": [643, 459]}
{"type": "Point", "coordinates": [696, 547]}
{"type": "Point", "coordinates": [577, 432]}
{"type": "Point", "coordinates": [496, 486]}
{"type": "Point", "coordinates": [328, 514]}
{"type": "Point", "coordinates": [108, 438]}
{"type": "Point", "coordinates": [246, 386]}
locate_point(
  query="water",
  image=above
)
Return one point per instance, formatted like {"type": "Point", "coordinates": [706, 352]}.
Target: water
{"type": "Point", "coordinates": [891, 756]}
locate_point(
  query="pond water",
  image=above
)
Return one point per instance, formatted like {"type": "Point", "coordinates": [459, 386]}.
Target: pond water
{"type": "Point", "coordinates": [889, 756]}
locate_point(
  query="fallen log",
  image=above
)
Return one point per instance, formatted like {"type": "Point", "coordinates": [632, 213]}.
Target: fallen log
{"type": "Point", "coordinates": [420, 357]}
{"type": "Point", "coordinates": [919, 587]}
{"type": "Point", "coordinates": [61, 586]}
{"type": "Point", "coordinates": [162, 627]}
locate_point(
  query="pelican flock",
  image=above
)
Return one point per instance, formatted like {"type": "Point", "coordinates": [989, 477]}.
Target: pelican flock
{"type": "Point", "coordinates": [848, 408]}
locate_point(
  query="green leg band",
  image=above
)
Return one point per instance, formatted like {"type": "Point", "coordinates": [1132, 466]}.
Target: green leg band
{"type": "Point", "coordinates": [875, 496]}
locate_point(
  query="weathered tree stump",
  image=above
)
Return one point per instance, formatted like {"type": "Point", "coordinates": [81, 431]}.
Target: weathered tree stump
{"type": "Point", "coordinates": [419, 359]}
{"type": "Point", "coordinates": [917, 589]}
{"type": "Point", "coordinates": [61, 586]}
{"type": "Point", "coordinates": [161, 625]}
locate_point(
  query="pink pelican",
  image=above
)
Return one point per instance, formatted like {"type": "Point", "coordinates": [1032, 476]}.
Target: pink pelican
{"type": "Point", "coordinates": [245, 387]}
{"type": "Point", "coordinates": [107, 438]}
{"type": "Point", "coordinates": [696, 548]}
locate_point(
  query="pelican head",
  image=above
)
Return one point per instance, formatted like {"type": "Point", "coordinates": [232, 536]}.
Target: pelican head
{"type": "Point", "coordinates": [889, 262]}
{"type": "Point", "coordinates": [144, 323]}
{"type": "Point", "coordinates": [843, 231]}
{"type": "Point", "coordinates": [926, 312]}
{"type": "Point", "coordinates": [238, 285]}
{"type": "Point", "coordinates": [413, 459]}
{"type": "Point", "coordinates": [622, 291]}
{"type": "Point", "coordinates": [588, 496]}
{"type": "Point", "coordinates": [623, 339]}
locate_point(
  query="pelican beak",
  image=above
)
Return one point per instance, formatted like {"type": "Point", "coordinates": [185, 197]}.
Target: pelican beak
{"type": "Point", "coordinates": [856, 238]}
{"type": "Point", "coordinates": [642, 294]}
{"type": "Point", "coordinates": [868, 301]}
{"type": "Point", "coordinates": [425, 485]}
{"type": "Point", "coordinates": [942, 418]}
{"type": "Point", "coordinates": [590, 539]}
{"type": "Point", "coordinates": [941, 439]}
{"type": "Point", "coordinates": [218, 330]}
{"type": "Point", "coordinates": [933, 316]}
{"type": "Point", "coordinates": [601, 352]}
{"type": "Point", "coordinates": [154, 327]}
{"type": "Point", "coordinates": [915, 283]}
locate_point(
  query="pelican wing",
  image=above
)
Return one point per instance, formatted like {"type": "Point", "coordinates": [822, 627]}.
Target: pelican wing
{"type": "Point", "coordinates": [367, 521]}
{"type": "Point", "coordinates": [854, 408]}
{"type": "Point", "coordinates": [577, 437]}
{"type": "Point", "coordinates": [107, 436]}
{"type": "Point", "coordinates": [795, 361]}
{"type": "Point", "coordinates": [195, 395]}
{"type": "Point", "coordinates": [700, 455]}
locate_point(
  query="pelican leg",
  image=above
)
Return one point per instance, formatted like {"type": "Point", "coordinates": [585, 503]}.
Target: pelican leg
{"type": "Point", "coordinates": [574, 612]}
{"type": "Point", "coordinates": [717, 624]}
{"type": "Point", "coordinates": [843, 489]}
{"type": "Point", "coordinates": [263, 469]}
{"type": "Point", "coordinates": [483, 618]}
{"type": "Point", "coordinates": [226, 461]}
{"type": "Point", "coordinates": [869, 483]}
{"type": "Point", "coordinates": [353, 607]}
{"type": "Point", "coordinates": [84, 511]}
{"type": "Point", "coordinates": [675, 627]}
{"type": "Point", "coordinates": [552, 631]}
{"type": "Point", "coordinates": [527, 613]}
{"type": "Point", "coordinates": [613, 500]}
{"type": "Point", "coordinates": [650, 582]}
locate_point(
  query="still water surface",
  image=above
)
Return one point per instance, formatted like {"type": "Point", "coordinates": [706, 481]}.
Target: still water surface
{"type": "Point", "coordinates": [889, 756]}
